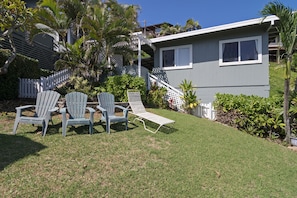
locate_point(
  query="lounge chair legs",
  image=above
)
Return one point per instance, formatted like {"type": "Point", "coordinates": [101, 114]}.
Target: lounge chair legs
{"type": "Point", "coordinates": [141, 120]}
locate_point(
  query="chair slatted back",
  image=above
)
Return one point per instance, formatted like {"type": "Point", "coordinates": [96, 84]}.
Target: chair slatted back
{"type": "Point", "coordinates": [135, 102]}
{"type": "Point", "coordinates": [45, 101]}
{"type": "Point", "coordinates": [76, 103]}
{"type": "Point", "coordinates": [106, 101]}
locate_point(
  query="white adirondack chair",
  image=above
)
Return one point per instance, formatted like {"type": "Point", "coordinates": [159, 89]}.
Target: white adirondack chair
{"type": "Point", "coordinates": [76, 106]}
{"type": "Point", "coordinates": [45, 105]}
{"type": "Point", "coordinates": [107, 107]}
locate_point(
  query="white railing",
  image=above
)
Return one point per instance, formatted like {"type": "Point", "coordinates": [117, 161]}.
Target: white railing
{"type": "Point", "coordinates": [28, 88]}
{"type": "Point", "coordinates": [173, 95]}
{"type": "Point", "coordinates": [204, 110]}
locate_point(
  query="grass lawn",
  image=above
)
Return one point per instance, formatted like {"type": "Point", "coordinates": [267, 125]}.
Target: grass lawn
{"type": "Point", "coordinates": [197, 158]}
{"type": "Point", "coordinates": [276, 79]}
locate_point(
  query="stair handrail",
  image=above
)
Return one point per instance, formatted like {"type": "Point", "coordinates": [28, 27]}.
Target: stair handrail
{"type": "Point", "coordinates": [173, 95]}
{"type": "Point", "coordinates": [165, 84]}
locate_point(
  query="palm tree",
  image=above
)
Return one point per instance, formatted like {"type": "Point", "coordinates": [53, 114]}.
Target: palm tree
{"type": "Point", "coordinates": [74, 10]}
{"type": "Point", "coordinates": [50, 19]}
{"type": "Point", "coordinates": [108, 25]}
{"type": "Point", "coordinates": [286, 28]}
{"type": "Point", "coordinates": [167, 29]}
{"type": "Point", "coordinates": [191, 25]}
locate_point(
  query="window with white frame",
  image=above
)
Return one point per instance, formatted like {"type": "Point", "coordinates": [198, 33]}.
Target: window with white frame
{"type": "Point", "coordinates": [179, 57]}
{"type": "Point", "coordinates": [240, 51]}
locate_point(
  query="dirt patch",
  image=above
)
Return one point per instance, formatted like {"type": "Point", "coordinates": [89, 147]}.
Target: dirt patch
{"type": "Point", "coordinates": [293, 148]}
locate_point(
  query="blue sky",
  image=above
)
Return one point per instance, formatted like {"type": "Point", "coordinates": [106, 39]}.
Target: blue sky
{"type": "Point", "coordinates": [207, 12]}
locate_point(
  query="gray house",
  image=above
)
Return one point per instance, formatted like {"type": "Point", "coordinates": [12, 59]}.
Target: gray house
{"type": "Point", "coordinates": [231, 58]}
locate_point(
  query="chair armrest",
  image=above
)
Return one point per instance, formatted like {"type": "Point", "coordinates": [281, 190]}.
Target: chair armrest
{"type": "Point", "coordinates": [24, 107]}
{"type": "Point", "coordinates": [101, 108]}
{"type": "Point", "coordinates": [125, 110]}
{"type": "Point", "coordinates": [120, 107]}
{"type": "Point", "coordinates": [103, 111]}
{"type": "Point", "coordinates": [63, 110]}
{"type": "Point", "coordinates": [54, 109]}
{"type": "Point", "coordinates": [19, 110]}
{"type": "Point", "coordinates": [90, 109]}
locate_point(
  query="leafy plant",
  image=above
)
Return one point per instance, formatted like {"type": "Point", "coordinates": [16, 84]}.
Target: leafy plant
{"type": "Point", "coordinates": [156, 96]}
{"type": "Point", "coordinates": [119, 84]}
{"type": "Point", "coordinates": [189, 97]}
{"type": "Point", "coordinates": [80, 84]}
{"type": "Point", "coordinates": [253, 114]}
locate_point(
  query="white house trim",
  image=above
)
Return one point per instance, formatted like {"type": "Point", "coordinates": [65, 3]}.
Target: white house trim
{"type": "Point", "coordinates": [269, 19]}
{"type": "Point", "coordinates": [258, 40]}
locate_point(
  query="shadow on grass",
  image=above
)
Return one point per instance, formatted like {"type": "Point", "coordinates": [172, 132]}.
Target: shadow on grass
{"type": "Point", "coordinates": [52, 129]}
{"type": "Point", "coordinates": [14, 148]}
{"type": "Point", "coordinates": [114, 127]}
{"type": "Point", "coordinates": [79, 130]}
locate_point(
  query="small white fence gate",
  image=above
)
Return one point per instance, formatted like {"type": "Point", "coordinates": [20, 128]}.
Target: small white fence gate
{"type": "Point", "coordinates": [28, 88]}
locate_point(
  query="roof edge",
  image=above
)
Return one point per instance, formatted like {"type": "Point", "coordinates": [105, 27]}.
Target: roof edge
{"type": "Point", "coordinates": [268, 19]}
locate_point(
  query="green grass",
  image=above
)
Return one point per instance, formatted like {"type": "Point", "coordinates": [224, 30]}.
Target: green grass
{"type": "Point", "coordinates": [197, 158]}
{"type": "Point", "coordinates": [276, 79]}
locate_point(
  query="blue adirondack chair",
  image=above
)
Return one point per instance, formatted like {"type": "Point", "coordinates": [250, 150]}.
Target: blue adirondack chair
{"type": "Point", "coordinates": [108, 107]}
{"type": "Point", "coordinates": [76, 106]}
{"type": "Point", "coordinates": [45, 105]}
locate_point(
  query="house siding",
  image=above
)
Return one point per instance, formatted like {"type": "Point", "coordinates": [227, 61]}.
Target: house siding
{"type": "Point", "coordinates": [208, 77]}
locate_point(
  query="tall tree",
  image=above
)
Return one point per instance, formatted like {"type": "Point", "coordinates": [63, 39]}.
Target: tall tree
{"type": "Point", "coordinates": [167, 29]}
{"type": "Point", "coordinates": [286, 28]}
{"type": "Point", "coordinates": [13, 16]}
{"type": "Point", "coordinates": [50, 19]}
{"type": "Point", "coordinates": [104, 28]}
{"type": "Point", "coordinates": [74, 10]}
{"type": "Point", "coordinates": [109, 26]}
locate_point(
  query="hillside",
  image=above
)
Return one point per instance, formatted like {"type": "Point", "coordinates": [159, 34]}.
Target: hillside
{"type": "Point", "coordinates": [276, 78]}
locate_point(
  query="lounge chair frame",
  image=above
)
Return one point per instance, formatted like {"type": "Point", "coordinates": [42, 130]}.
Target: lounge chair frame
{"type": "Point", "coordinates": [141, 114]}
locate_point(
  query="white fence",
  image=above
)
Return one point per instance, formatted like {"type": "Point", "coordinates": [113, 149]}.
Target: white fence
{"type": "Point", "coordinates": [28, 88]}
{"type": "Point", "coordinates": [205, 110]}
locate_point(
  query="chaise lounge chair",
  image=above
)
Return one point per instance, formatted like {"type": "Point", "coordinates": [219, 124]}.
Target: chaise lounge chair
{"type": "Point", "coordinates": [141, 114]}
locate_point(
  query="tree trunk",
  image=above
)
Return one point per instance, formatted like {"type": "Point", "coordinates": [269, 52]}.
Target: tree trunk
{"type": "Point", "coordinates": [286, 110]}
{"type": "Point", "coordinates": [4, 69]}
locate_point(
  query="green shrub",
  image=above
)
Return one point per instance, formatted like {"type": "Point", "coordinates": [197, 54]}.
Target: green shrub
{"type": "Point", "coordinates": [252, 114]}
{"type": "Point", "coordinates": [156, 95]}
{"type": "Point", "coordinates": [118, 86]}
{"type": "Point", "coordinates": [21, 67]}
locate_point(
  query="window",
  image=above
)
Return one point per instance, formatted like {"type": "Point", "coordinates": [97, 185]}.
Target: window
{"type": "Point", "coordinates": [241, 51]}
{"type": "Point", "coordinates": [176, 57]}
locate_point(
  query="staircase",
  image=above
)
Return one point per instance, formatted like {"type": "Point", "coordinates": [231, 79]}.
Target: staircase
{"type": "Point", "coordinates": [173, 96]}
